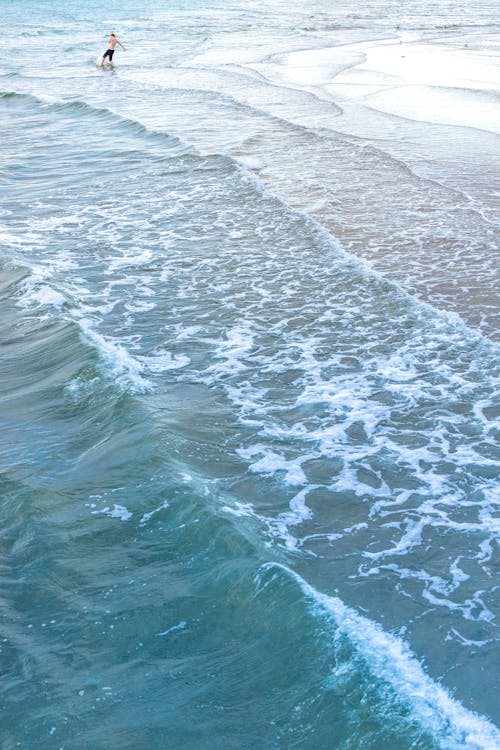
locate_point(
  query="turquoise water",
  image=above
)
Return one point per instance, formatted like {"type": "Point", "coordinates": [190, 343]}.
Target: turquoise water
{"type": "Point", "coordinates": [248, 383]}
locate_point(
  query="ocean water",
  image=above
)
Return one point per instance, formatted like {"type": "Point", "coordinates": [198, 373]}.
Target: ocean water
{"type": "Point", "coordinates": [249, 392]}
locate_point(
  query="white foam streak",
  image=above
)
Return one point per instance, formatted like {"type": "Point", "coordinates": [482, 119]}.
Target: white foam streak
{"type": "Point", "coordinates": [271, 462]}
{"type": "Point", "coordinates": [411, 538]}
{"type": "Point", "coordinates": [126, 369]}
{"type": "Point", "coordinates": [36, 291]}
{"type": "Point", "coordinates": [162, 361]}
{"type": "Point", "coordinates": [236, 345]}
{"type": "Point", "coordinates": [390, 659]}
{"type": "Point", "coordinates": [147, 516]}
{"type": "Point", "coordinates": [117, 511]}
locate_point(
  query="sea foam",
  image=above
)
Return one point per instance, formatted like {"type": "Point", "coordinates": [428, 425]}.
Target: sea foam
{"type": "Point", "coordinates": [391, 660]}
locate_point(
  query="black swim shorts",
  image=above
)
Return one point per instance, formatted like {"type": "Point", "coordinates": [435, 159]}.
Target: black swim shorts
{"type": "Point", "coordinates": [109, 53]}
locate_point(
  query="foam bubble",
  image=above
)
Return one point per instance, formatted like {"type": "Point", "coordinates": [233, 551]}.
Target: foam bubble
{"type": "Point", "coordinates": [271, 462]}
{"type": "Point", "coordinates": [249, 162]}
{"type": "Point", "coordinates": [162, 361]}
{"type": "Point", "coordinates": [117, 511]}
{"type": "Point", "coordinates": [136, 256]}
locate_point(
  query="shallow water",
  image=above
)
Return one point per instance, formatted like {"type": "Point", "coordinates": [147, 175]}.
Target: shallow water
{"type": "Point", "coordinates": [249, 383]}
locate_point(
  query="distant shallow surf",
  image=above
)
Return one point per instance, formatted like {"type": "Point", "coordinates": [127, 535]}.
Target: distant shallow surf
{"type": "Point", "coordinates": [422, 115]}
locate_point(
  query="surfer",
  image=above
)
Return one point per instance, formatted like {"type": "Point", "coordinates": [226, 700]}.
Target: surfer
{"type": "Point", "coordinates": [113, 41]}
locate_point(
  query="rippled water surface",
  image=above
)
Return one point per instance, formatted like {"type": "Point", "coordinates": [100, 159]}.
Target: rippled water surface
{"type": "Point", "coordinates": [249, 376]}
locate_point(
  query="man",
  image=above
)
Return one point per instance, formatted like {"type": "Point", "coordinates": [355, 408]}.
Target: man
{"type": "Point", "coordinates": [113, 41]}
